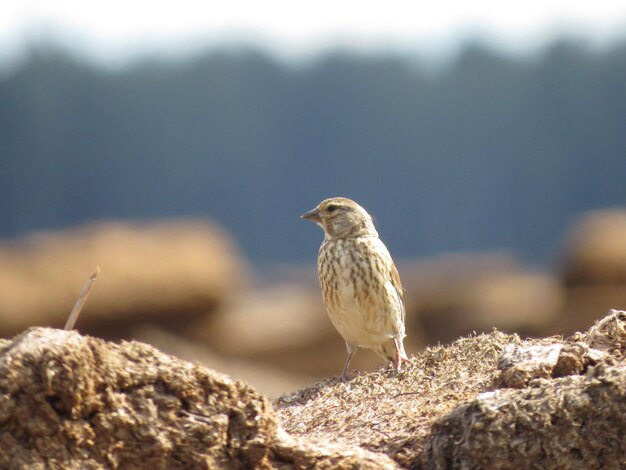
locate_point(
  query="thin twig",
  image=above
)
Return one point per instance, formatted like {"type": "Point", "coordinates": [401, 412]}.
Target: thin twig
{"type": "Point", "coordinates": [82, 298]}
{"type": "Point", "coordinates": [405, 393]}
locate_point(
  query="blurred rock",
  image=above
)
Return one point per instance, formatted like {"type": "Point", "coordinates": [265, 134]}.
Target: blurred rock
{"type": "Point", "coordinates": [163, 272]}
{"type": "Point", "coordinates": [593, 269]}
{"type": "Point", "coordinates": [269, 380]}
{"type": "Point", "coordinates": [595, 250]}
{"type": "Point", "coordinates": [454, 295]}
{"type": "Point", "coordinates": [257, 321]}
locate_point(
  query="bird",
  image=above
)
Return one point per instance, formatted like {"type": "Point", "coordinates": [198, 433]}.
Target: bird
{"type": "Point", "coordinates": [360, 284]}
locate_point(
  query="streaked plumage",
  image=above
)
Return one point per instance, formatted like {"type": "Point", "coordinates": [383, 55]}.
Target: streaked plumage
{"type": "Point", "coordinates": [360, 283]}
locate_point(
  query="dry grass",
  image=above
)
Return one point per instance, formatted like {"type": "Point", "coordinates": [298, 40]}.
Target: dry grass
{"type": "Point", "coordinates": [392, 413]}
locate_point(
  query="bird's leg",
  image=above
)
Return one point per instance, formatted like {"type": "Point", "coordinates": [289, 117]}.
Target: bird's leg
{"type": "Point", "coordinates": [397, 361]}
{"type": "Point", "coordinates": [400, 355]}
{"type": "Point", "coordinates": [351, 350]}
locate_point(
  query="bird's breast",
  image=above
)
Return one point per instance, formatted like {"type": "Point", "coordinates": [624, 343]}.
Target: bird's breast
{"type": "Point", "coordinates": [352, 279]}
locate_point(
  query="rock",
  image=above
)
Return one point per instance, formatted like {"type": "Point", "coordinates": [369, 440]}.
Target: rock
{"type": "Point", "coordinates": [519, 365]}
{"type": "Point", "coordinates": [74, 402]}
{"type": "Point", "coordinates": [163, 272]}
{"type": "Point", "coordinates": [572, 422]}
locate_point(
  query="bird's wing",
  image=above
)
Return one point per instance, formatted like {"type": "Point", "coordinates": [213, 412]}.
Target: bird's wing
{"type": "Point", "coordinates": [392, 283]}
{"type": "Point", "coordinates": [397, 285]}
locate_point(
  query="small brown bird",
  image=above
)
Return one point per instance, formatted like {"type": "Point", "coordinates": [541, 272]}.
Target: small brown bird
{"type": "Point", "coordinates": [360, 284]}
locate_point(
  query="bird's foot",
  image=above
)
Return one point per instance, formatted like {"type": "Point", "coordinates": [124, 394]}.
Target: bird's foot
{"type": "Point", "coordinates": [398, 360]}
{"type": "Point", "coordinates": [346, 376]}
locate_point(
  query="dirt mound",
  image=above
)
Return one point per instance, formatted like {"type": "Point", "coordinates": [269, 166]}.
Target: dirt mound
{"type": "Point", "coordinates": [68, 401]}
{"type": "Point", "coordinates": [463, 393]}
{"type": "Point", "coordinates": [159, 272]}
{"type": "Point", "coordinates": [392, 413]}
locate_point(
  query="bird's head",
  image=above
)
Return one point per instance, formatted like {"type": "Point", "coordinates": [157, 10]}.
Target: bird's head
{"type": "Point", "coordinates": [341, 217]}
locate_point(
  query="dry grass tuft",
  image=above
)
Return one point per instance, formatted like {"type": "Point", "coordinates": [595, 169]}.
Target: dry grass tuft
{"type": "Point", "coordinates": [609, 333]}
{"type": "Point", "coordinates": [392, 413]}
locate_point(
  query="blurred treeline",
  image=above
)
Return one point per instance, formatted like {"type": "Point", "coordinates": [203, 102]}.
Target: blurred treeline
{"type": "Point", "coordinates": [487, 151]}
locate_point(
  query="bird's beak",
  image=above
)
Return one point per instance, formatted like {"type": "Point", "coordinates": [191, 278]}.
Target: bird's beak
{"type": "Point", "coordinates": [313, 216]}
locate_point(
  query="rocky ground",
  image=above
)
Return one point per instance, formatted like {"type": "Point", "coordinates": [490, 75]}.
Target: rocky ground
{"type": "Point", "coordinates": [487, 401]}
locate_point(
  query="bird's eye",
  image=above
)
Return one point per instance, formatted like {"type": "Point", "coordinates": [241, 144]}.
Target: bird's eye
{"type": "Point", "coordinates": [332, 208]}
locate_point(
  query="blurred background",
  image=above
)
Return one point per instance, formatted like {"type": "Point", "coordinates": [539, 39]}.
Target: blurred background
{"type": "Point", "coordinates": [176, 145]}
